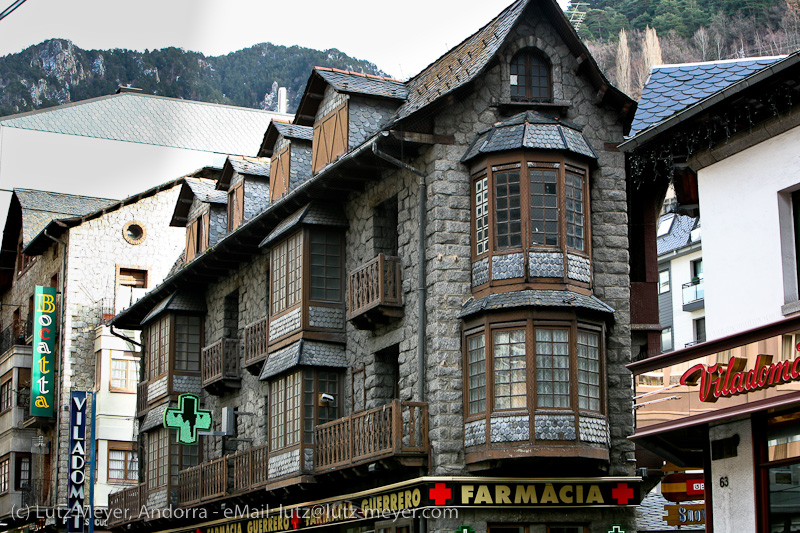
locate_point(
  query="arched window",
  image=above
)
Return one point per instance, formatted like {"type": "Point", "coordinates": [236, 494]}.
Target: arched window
{"type": "Point", "coordinates": [530, 77]}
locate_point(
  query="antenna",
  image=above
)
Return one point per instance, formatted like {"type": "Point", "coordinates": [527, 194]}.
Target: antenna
{"type": "Point", "coordinates": [576, 16]}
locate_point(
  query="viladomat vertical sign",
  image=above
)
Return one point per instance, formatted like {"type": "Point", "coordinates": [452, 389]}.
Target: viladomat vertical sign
{"type": "Point", "coordinates": [44, 334]}
{"type": "Point", "coordinates": [77, 462]}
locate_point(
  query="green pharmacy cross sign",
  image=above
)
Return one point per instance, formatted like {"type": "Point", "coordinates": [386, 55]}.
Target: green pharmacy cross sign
{"type": "Point", "coordinates": [188, 418]}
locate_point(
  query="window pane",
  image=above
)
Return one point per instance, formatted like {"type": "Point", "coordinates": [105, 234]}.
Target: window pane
{"type": "Point", "coordinates": [279, 277]}
{"type": "Point", "coordinates": [574, 212]}
{"type": "Point", "coordinates": [509, 369]}
{"type": "Point", "coordinates": [663, 281]}
{"type": "Point", "coordinates": [544, 206]}
{"type": "Point", "coordinates": [666, 339]}
{"type": "Point", "coordinates": [326, 266]}
{"type": "Point", "coordinates": [481, 216]}
{"type": "Point", "coordinates": [508, 211]}
{"type": "Point", "coordinates": [588, 371]}
{"type": "Point", "coordinates": [476, 346]}
{"type": "Point", "coordinates": [552, 368]}
{"type": "Point", "coordinates": [294, 270]}
{"type": "Point", "coordinates": [187, 343]}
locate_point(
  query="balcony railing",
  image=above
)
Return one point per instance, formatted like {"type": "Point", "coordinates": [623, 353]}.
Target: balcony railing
{"type": "Point", "coordinates": [693, 295]}
{"type": "Point", "coordinates": [15, 335]}
{"type": "Point", "coordinates": [220, 362]}
{"type": "Point", "coordinates": [205, 481]}
{"type": "Point", "coordinates": [375, 292]}
{"type": "Point", "coordinates": [250, 468]}
{"type": "Point", "coordinates": [397, 429]}
{"type": "Point", "coordinates": [126, 504]}
{"type": "Point", "coordinates": [141, 398]}
{"type": "Point", "coordinates": [256, 336]}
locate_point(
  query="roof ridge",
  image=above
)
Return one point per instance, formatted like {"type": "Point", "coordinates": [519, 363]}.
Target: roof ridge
{"type": "Point", "coordinates": [719, 61]}
{"type": "Point", "coordinates": [22, 189]}
{"type": "Point", "coordinates": [373, 76]}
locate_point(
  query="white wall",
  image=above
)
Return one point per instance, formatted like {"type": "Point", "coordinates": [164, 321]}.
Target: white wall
{"type": "Point", "coordinates": [741, 235]}
{"type": "Point", "coordinates": [682, 321]}
{"type": "Point", "coordinates": [734, 503]}
{"type": "Point", "coordinates": [88, 166]}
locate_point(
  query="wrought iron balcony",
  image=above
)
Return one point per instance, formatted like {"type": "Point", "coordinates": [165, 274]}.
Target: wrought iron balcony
{"type": "Point", "coordinates": [375, 292]}
{"type": "Point", "coordinates": [15, 335]}
{"type": "Point", "coordinates": [220, 365]}
{"type": "Point", "coordinates": [693, 295]}
{"type": "Point", "coordinates": [256, 337]}
{"type": "Point", "coordinates": [398, 430]}
{"type": "Point", "coordinates": [36, 493]}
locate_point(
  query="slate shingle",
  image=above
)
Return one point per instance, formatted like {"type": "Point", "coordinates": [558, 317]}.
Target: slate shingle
{"type": "Point", "coordinates": [354, 82]}
{"type": "Point", "coordinates": [39, 208]}
{"type": "Point", "coordinates": [533, 298]}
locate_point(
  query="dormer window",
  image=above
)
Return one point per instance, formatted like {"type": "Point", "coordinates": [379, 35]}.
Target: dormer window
{"type": "Point", "coordinates": [236, 206]}
{"type": "Point", "coordinates": [530, 77]}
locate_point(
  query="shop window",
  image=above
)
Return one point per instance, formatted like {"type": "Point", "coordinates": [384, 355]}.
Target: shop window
{"type": "Point", "coordinates": [534, 365]}
{"type": "Point", "coordinates": [394, 526]}
{"type": "Point", "coordinates": [530, 205]}
{"type": "Point", "coordinates": [236, 206]}
{"type": "Point", "coordinates": [530, 77]}
{"type": "Point", "coordinates": [287, 273]}
{"type": "Point", "coordinates": [123, 462]}
{"type": "Point", "coordinates": [780, 472]}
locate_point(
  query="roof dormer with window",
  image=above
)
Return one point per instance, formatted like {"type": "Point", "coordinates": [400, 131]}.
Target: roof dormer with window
{"type": "Point", "coordinates": [246, 180]}
{"type": "Point", "coordinates": [289, 147]}
{"type": "Point", "coordinates": [202, 210]}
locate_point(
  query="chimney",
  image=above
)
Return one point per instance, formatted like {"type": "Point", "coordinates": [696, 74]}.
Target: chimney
{"type": "Point", "coordinates": [283, 103]}
{"type": "Point", "coordinates": [128, 89]}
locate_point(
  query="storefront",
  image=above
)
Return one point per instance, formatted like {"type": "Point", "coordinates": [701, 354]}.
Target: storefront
{"type": "Point", "coordinates": [732, 407]}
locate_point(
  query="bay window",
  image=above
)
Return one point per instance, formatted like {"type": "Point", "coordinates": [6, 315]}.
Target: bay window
{"type": "Point", "coordinates": [533, 366]}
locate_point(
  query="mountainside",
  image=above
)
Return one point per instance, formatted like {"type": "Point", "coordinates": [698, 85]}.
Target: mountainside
{"type": "Point", "coordinates": [57, 72]}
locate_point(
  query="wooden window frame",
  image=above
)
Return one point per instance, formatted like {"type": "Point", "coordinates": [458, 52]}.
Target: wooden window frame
{"type": "Point", "coordinates": [19, 459]}
{"type": "Point", "coordinates": [128, 448]}
{"type": "Point", "coordinates": [175, 353]}
{"type": "Point", "coordinates": [475, 369]}
{"type": "Point", "coordinates": [286, 273]}
{"type": "Point", "coordinates": [337, 240]}
{"type": "Point", "coordinates": [159, 349]}
{"type": "Point", "coordinates": [311, 416]}
{"type": "Point", "coordinates": [7, 392]}
{"type": "Point", "coordinates": [531, 57]}
{"type": "Point", "coordinates": [132, 368]}
{"type": "Point", "coordinates": [236, 206]}
{"type": "Point", "coordinates": [530, 323]}
{"type": "Point", "coordinates": [5, 474]}
{"type": "Point", "coordinates": [526, 161]}
{"type": "Point", "coordinates": [285, 420]}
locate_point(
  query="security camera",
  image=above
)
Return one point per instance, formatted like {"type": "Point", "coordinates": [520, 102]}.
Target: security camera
{"type": "Point", "coordinates": [326, 399]}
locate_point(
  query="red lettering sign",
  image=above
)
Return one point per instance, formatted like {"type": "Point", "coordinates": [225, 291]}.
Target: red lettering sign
{"type": "Point", "coordinates": [723, 381]}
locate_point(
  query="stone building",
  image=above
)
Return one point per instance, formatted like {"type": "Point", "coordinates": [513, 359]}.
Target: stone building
{"type": "Point", "coordinates": [428, 314]}
{"type": "Point", "coordinates": [100, 255]}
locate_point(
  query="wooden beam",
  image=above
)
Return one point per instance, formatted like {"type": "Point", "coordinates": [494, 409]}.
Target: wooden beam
{"type": "Point", "coordinates": [423, 138]}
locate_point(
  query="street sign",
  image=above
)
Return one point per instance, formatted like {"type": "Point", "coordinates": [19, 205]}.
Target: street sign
{"type": "Point", "coordinates": [681, 487]}
{"type": "Point", "coordinates": [685, 514]}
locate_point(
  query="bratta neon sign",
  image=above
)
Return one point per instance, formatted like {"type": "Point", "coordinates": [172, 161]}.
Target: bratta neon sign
{"type": "Point", "coordinates": [723, 381]}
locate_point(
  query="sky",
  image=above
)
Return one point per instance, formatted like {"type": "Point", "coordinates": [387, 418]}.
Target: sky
{"type": "Point", "coordinates": [401, 38]}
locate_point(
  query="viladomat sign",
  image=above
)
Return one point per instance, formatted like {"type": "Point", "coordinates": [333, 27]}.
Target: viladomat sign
{"type": "Point", "coordinates": [725, 380]}
{"type": "Point", "coordinates": [44, 334]}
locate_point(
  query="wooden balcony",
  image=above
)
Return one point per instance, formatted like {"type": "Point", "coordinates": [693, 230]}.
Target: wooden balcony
{"type": "Point", "coordinates": [375, 292]}
{"type": "Point", "coordinates": [206, 481]}
{"type": "Point", "coordinates": [126, 505]}
{"type": "Point", "coordinates": [256, 337]}
{"type": "Point", "coordinates": [220, 366]}
{"type": "Point", "coordinates": [141, 399]}
{"type": "Point", "coordinates": [250, 469]}
{"type": "Point", "coordinates": [398, 430]}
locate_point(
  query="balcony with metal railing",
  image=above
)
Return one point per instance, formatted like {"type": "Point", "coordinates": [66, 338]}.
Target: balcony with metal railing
{"type": "Point", "coordinates": [219, 366]}
{"type": "Point", "coordinates": [16, 334]}
{"type": "Point", "coordinates": [693, 295]}
{"type": "Point", "coordinates": [375, 292]}
{"type": "Point", "coordinates": [36, 493]}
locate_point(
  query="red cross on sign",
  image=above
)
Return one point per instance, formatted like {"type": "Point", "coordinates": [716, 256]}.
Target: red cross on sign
{"type": "Point", "coordinates": [622, 493]}
{"type": "Point", "coordinates": [440, 494]}
{"type": "Point", "coordinates": [295, 519]}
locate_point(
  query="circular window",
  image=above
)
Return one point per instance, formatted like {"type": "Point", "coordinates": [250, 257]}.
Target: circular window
{"type": "Point", "coordinates": [133, 232]}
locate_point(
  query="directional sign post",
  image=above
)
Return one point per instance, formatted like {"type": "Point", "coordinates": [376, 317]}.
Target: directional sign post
{"type": "Point", "coordinates": [188, 418]}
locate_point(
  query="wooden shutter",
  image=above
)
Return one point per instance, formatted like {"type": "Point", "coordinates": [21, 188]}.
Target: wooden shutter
{"type": "Point", "coordinates": [205, 221]}
{"type": "Point", "coordinates": [191, 241]}
{"type": "Point", "coordinates": [279, 174]}
{"type": "Point", "coordinates": [330, 138]}
{"type": "Point", "coordinates": [239, 204]}
{"type": "Point", "coordinates": [132, 278]}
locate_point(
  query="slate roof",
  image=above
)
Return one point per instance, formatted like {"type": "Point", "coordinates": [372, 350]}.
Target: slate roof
{"type": "Point", "coordinates": [294, 131]}
{"type": "Point", "coordinates": [250, 166]}
{"type": "Point", "coordinates": [672, 88]}
{"type": "Point", "coordinates": [679, 235]}
{"type": "Point", "coordinates": [155, 120]}
{"type": "Point", "coordinates": [308, 353]}
{"type": "Point", "coordinates": [354, 82]}
{"type": "Point", "coordinates": [39, 208]}
{"type": "Point", "coordinates": [313, 213]}
{"type": "Point", "coordinates": [533, 298]}
{"type": "Point", "coordinates": [530, 130]}
{"type": "Point", "coordinates": [205, 191]}
{"type": "Point", "coordinates": [155, 416]}
{"type": "Point", "coordinates": [192, 301]}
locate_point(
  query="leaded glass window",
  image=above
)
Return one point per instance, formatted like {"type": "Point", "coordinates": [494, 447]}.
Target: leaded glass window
{"type": "Point", "coordinates": [509, 369]}
{"type": "Point", "coordinates": [552, 368]}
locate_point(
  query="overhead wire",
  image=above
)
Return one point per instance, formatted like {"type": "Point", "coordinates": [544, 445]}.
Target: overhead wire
{"type": "Point", "coordinates": [7, 11]}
